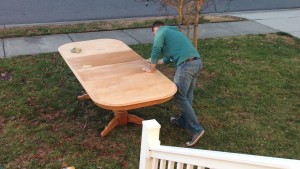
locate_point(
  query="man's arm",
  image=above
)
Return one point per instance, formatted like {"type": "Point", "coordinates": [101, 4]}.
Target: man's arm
{"type": "Point", "coordinates": [155, 52]}
{"type": "Point", "coordinates": [159, 62]}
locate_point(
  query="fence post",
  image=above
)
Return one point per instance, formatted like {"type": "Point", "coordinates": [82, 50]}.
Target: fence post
{"type": "Point", "coordinates": [150, 137]}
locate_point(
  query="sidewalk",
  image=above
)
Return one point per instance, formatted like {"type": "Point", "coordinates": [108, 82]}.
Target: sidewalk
{"type": "Point", "coordinates": [260, 22]}
{"type": "Point", "coordinates": [284, 20]}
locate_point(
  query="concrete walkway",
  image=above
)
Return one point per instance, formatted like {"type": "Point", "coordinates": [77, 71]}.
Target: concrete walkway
{"type": "Point", "coordinates": [284, 20]}
{"type": "Point", "coordinates": [260, 22]}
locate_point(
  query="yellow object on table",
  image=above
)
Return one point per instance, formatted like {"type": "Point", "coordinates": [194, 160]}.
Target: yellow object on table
{"type": "Point", "coordinates": [114, 78]}
{"type": "Point", "coordinates": [75, 50]}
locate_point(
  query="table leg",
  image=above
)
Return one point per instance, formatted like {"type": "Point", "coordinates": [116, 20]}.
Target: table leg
{"type": "Point", "coordinates": [134, 119]}
{"type": "Point", "coordinates": [83, 97]}
{"type": "Point", "coordinates": [120, 118]}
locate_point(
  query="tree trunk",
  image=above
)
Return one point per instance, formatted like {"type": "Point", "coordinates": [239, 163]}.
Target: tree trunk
{"type": "Point", "coordinates": [189, 12]}
{"type": "Point", "coordinates": [196, 21]}
{"type": "Point", "coordinates": [180, 14]}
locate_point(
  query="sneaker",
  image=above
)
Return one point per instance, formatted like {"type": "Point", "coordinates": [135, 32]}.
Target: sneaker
{"type": "Point", "coordinates": [174, 121]}
{"type": "Point", "coordinates": [194, 139]}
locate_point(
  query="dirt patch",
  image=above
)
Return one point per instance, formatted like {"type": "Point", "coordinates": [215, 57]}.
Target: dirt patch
{"type": "Point", "coordinates": [217, 19]}
{"type": "Point", "coordinates": [236, 60]}
{"type": "Point", "coordinates": [288, 40]}
{"type": "Point", "coordinates": [2, 123]}
{"type": "Point", "coordinates": [205, 77]}
{"type": "Point", "coordinates": [40, 156]}
{"type": "Point", "coordinates": [6, 75]}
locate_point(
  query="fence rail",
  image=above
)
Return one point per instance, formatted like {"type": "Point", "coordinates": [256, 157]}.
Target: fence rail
{"type": "Point", "coordinates": [155, 156]}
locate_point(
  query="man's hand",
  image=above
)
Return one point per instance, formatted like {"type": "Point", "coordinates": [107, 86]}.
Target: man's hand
{"type": "Point", "coordinates": [150, 68]}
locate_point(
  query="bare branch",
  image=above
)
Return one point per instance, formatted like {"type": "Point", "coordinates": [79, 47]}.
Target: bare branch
{"type": "Point", "coordinates": [189, 10]}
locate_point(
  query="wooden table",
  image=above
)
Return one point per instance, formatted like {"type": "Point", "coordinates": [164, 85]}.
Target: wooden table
{"type": "Point", "coordinates": [111, 74]}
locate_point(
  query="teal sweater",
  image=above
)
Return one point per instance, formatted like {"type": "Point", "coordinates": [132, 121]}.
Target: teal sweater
{"type": "Point", "coordinates": [173, 45]}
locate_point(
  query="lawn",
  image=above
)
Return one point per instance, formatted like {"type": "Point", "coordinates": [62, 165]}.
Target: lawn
{"type": "Point", "coordinates": [104, 25]}
{"type": "Point", "coordinates": [247, 99]}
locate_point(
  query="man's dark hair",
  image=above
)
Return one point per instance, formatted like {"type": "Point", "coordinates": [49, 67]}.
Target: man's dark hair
{"type": "Point", "coordinates": [157, 24]}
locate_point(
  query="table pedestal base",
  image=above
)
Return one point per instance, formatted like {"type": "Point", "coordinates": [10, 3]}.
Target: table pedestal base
{"type": "Point", "coordinates": [121, 118]}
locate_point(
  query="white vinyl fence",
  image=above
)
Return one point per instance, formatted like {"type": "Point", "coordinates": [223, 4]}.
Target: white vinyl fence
{"type": "Point", "coordinates": [155, 156]}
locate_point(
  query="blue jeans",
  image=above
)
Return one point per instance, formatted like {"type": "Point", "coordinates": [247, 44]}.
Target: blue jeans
{"type": "Point", "coordinates": [185, 79]}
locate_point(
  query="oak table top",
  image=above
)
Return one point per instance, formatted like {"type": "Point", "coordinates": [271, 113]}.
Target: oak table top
{"type": "Point", "coordinates": [112, 76]}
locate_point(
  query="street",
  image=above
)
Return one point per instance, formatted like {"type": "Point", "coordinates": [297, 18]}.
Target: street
{"type": "Point", "coordinates": [45, 11]}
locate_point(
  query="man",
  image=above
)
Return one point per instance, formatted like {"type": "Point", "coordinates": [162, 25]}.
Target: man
{"type": "Point", "coordinates": [177, 48]}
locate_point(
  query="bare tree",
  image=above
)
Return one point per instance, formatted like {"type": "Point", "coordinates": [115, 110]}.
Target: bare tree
{"type": "Point", "coordinates": [188, 11]}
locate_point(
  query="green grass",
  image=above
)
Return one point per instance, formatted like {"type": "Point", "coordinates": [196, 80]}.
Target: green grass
{"type": "Point", "coordinates": [247, 99]}
{"type": "Point", "coordinates": [105, 25]}
{"type": "Point", "coordinates": [93, 26]}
